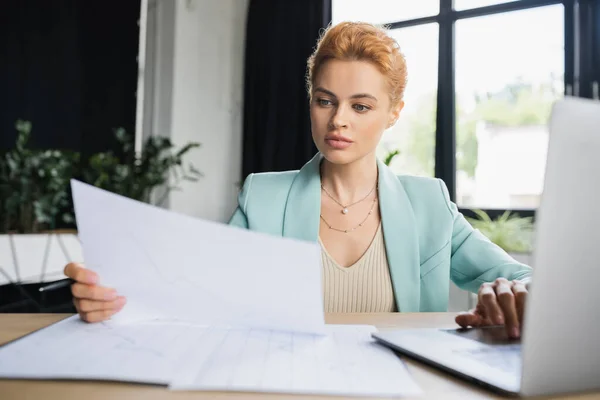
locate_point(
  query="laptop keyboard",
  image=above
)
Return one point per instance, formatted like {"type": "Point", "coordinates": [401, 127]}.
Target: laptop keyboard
{"type": "Point", "coordinates": [506, 358]}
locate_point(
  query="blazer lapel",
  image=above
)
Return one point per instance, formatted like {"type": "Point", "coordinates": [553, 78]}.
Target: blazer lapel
{"type": "Point", "coordinates": [401, 240]}
{"type": "Point", "coordinates": [303, 209]}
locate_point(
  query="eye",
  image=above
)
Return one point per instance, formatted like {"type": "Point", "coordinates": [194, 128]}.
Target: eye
{"type": "Point", "coordinates": [323, 102]}
{"type": "Point", "coordinates": [361, 107]}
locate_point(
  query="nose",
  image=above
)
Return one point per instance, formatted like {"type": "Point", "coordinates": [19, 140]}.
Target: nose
{"type": "Point", "coordinates": [338, 119]}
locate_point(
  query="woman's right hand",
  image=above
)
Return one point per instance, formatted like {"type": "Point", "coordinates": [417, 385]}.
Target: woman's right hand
{"type": "Point", "coordinates": [94, 303]}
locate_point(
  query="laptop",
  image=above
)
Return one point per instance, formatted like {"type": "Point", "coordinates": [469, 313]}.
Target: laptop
{"type": "Point", "coordinates": [558, 351]}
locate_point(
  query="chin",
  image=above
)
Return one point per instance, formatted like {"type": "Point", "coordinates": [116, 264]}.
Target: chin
{"type": "Point", "coordinates": [339, 157]}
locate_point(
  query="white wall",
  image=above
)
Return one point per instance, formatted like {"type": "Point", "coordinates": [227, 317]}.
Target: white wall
{"type": "Point", "coordinates": [207, 101]}
{"type": "Point", "coordinates": [197, 51]}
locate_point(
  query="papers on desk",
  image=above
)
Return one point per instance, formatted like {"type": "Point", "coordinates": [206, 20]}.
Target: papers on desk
{"type": "Point", "coordinates": [210, 307]}
{"type": "Point", "coordinates": [345, 361]}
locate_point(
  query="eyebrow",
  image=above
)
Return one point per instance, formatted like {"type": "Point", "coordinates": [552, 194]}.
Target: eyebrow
{"type": "Point", "coordinates": [354, 96]}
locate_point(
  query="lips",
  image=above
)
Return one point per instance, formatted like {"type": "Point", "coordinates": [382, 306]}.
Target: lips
{"type": "Point", "coordinates": [338, 141]}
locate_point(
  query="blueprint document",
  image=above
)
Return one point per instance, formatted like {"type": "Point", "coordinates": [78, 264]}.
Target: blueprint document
{"type": "Point", "coordinates": [174, 267]}
{"type": "Point", "coordinates": [209, 307]}
{"type": "Point", "coordinates": [345, 361]}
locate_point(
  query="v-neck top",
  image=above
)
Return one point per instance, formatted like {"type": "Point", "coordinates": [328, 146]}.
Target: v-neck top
{"type": "Point", "coordinates": [365, 286]}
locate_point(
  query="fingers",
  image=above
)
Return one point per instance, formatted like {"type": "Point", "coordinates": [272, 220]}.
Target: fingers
{"type": "Point", "coordinates": [93, 303]}
{"type": "Point", "coordinates": [96, 311]}
{"type": "Point", "coordinates": [475, 317]}
{"type": "Point", "coordinates": [83, 291]}
{"type": "Point", "coordinates": [80, 274]}
{"type": "Point", "coordinates": [520, 291]}
{"type": "Point", "coordinates": [506, 301]}
{"type": "Point", "coordinates": [86, 306]}
{"type": "Point", "coordinates": [97, 316]}
{"type": "Point", "coordinates": [487, 299]}
{"type": "Point", "coordinates": [500, 302]}
{"type": "Point", "coordinates": [468, 318]}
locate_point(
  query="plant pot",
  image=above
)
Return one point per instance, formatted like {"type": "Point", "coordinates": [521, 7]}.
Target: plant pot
{"type": "Point", "coordinates": [37, 258]}
{"type": "Point", "coordinates": [29, 261]}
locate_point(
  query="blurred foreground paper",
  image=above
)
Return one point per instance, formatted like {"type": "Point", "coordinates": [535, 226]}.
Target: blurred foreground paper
{"type": "Point", "coordinates": [345, 361]}
{"type": "Point", "coordinates": [174, 267]}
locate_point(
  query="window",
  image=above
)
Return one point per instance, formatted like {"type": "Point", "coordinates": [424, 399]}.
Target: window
{"type": "Point", "coordinates": [482, 126]}
{"type": "Point", "coordinates": [382, 11]}
{"type": "Point", "coordinates": [413, 136]}
{"type": "Point", "coordinates": [467, 4]}
{"type": "Point", "coordinates": [506, 83]}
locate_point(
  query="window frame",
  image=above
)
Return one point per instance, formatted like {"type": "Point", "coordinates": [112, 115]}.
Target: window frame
{"type": "Point", "coordinates": [578, 80]}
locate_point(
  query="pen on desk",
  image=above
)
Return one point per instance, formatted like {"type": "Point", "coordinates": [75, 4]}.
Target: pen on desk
{"type": "Point", "coordinates": [57, 285]}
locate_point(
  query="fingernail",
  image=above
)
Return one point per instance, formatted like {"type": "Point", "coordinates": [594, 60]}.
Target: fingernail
{"type": "Point", "coordinates": [111, 295]}
{"type": "Point", "coordinates": [121, 301]}
{"type": "Point", "coordinates": [514, 332]}
{"type": "Point", "coordinates": [499, 319]}
{"type": "Point", "coordinates": [92, 278]}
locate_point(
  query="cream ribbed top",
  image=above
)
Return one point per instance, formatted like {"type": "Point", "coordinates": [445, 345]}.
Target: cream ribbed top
{"type": "Point", "coordinates": [365, 286]}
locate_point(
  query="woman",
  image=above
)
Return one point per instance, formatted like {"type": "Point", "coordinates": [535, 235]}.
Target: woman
{"type": "Point", "coordinates": [389, 243]}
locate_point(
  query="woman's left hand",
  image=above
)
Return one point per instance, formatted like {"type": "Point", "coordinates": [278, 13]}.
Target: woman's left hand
{"type": "Point", "coordinates": [499, 303]}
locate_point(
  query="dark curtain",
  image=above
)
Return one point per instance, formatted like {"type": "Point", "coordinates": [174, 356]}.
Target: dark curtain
{"type": "Point", "coordinates": [280, 36]}
{"type": "Point", "coordinates": [69, 67]}
{"type": "Point", "coordinates": [596, 42]}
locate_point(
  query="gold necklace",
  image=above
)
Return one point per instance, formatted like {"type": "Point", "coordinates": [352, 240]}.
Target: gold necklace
{"type": "Point", "coordinates": [345, 207]}
{"type": "Point", "coordinates": [356, 227]}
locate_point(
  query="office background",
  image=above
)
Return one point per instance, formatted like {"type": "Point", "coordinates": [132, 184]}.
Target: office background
{"type": "Point", "coordinates": [229, 75]}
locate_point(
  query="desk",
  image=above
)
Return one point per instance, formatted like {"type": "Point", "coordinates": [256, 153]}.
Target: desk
{"type": "Point", "coordinates": [436, 385]}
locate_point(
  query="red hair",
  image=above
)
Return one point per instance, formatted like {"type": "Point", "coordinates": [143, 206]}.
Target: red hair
{"type": "Point", "coordinates": [357, 41]}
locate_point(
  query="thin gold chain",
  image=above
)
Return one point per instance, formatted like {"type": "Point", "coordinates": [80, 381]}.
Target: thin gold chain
{"type": "Point", "coordinates": [349, 205]}
{"type": "Point", "coordinates": [356, 227]}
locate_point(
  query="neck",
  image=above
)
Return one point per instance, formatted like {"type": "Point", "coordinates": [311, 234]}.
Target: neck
{"type": "Point", "coordinates": [349, 182]}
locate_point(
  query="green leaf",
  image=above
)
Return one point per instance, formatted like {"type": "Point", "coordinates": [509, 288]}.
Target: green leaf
{"type": "Point", "coordinates": [390, 156]}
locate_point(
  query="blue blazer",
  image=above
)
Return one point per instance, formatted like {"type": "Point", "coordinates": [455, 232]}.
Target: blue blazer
{"type": "Point", "coordinates": [427, 241]}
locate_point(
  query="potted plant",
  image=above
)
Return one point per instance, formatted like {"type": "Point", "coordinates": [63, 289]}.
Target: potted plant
{"type": "Point", "coordinates": [511, 232]}
{"type": "Point", "coordinates": [138, 176]}
{"type": "Point", "coordinates": [34, 186]}
{"type": "Point", "coordinates": [36, 203]}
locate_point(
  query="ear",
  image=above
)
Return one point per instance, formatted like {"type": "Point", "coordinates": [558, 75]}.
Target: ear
{"type": "Point", "coordinates": [395, 113]}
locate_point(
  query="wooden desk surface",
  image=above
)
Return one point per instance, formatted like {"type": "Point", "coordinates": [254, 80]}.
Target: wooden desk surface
{"type": "Point", "coordinates": [436, 385]}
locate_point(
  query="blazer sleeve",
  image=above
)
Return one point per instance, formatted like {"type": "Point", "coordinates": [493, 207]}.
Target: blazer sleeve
{"type": "Point", "coordinates": [239, 217]}
{"type": "Point", "coordinates": [475, 259]}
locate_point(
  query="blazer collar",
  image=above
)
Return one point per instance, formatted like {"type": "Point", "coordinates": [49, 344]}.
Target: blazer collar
{"type": "Point", "coordinates": [303, 208]}
{"type": "Point", "coordinates": [302, 219]}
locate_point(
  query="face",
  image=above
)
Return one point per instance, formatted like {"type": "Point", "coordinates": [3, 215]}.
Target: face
{"type": "Point", "coordinates": [350, 109]}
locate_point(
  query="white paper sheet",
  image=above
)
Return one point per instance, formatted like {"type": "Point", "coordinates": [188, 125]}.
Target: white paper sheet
{"type": "Point", "coordinates": [346, 362]}
{"type": "Point", "coordinates": [73, 349]}
{"type": "Point", "coordinates": [174, 267]}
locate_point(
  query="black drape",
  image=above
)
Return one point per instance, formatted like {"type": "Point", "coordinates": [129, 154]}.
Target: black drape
{"type": "Point", "coordinates": [596, 42]}
{"type": "Point", "coordinates": [280, 36]}
{"type": "Point", "coordinates": [70, 67]}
